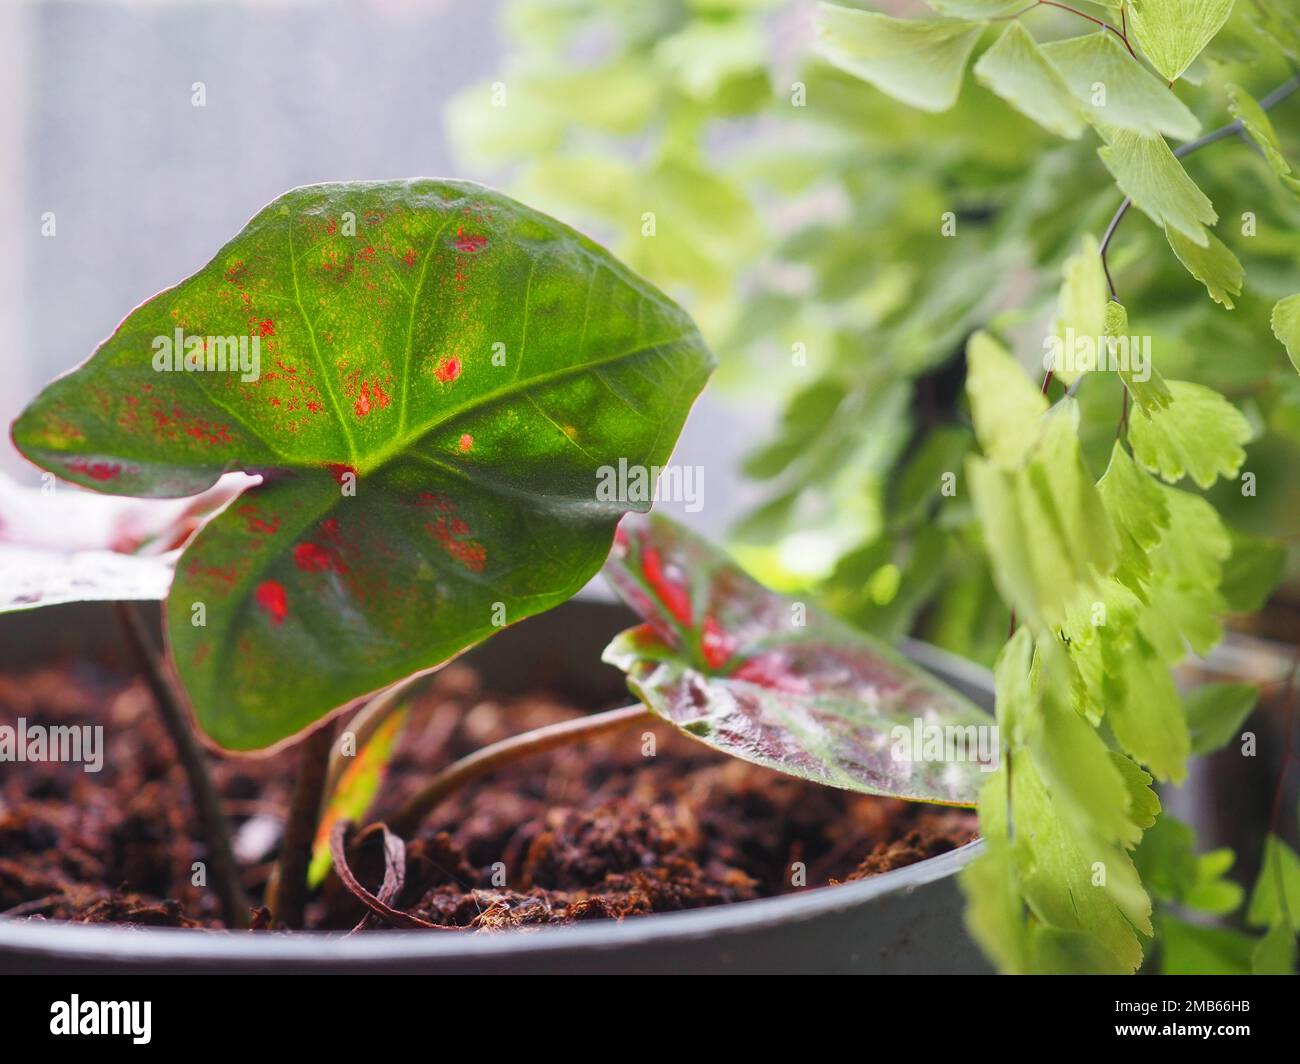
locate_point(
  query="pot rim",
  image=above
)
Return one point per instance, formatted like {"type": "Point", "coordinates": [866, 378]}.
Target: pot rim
{"type": "Point", "coordinates": [165, 944]}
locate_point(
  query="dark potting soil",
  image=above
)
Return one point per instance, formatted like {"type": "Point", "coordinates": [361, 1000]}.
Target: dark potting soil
{"type": "Point", "coordinates": [640, 821]}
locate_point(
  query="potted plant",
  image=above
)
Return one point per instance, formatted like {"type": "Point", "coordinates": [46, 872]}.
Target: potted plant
{"type": "Point", "coordinates": [431, 383]}
{"type": "Point", "coordinates": [1084, 524]}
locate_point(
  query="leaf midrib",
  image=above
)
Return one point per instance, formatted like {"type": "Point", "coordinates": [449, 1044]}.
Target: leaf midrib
{"type": "Point", "coordinates": [326, 378]}
{"type": "Point", "coordinates": [410, 321]}
{"type": "Point", "coordinates": [405, 444]}
{"type": "Point", "coordinates": [291, 533]}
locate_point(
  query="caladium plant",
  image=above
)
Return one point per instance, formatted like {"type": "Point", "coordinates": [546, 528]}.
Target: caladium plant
{"type": "Point", "coordinates": [779, 683]}
{"type": "Point", "coordinates": [426, 375]}
{"type": "Point", "coordinates": [427, 379]}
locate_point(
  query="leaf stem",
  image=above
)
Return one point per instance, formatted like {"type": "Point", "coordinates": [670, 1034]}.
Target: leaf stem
{"type": "Point", "coordinates": [366, 722]}
{"type": "Point", "coordinates": [1270, 101]}
{"type": "Point", "coordinates": [394, 877]}
{"type": "Point", "coordinates": [203, 792]}
{"type": "Point", "coordinates": [290, 894]}
{"type": "Point", "coordinates": [1121, 34]}
{"type": "Point", "coordinates": [1105, 245]}
{"type": "Point", "coordinates": [490, 758]}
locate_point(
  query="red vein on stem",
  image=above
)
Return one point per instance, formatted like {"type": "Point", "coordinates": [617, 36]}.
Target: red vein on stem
{"type": "Point", "coordinates": [1074, 10]}
{"type": "Point", "coordinates": [1121, 34]}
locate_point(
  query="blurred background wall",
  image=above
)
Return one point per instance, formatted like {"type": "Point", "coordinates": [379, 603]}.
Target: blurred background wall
{"type": "Point", "coordinates": [100, 127]}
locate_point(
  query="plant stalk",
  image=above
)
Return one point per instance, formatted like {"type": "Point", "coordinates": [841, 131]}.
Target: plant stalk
{"type": "Point", "coordinates": [203, 792]}
{"type": "Point", "coordinates": [1122, 34]}
{"type": "Point", "coordinates": [1286, 89]}
{"type": "Point", "coordinates": [290, 895]}
{"type": "Point", "coordinates": [368, 721]}
{"type": "Point", "coordinates": [482, 762]}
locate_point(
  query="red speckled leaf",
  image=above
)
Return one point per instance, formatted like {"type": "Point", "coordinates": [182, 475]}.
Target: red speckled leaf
{"type": "Point", "coordinates": [729, 663]}
{"type": "Point", "coordinates": [441, 371]}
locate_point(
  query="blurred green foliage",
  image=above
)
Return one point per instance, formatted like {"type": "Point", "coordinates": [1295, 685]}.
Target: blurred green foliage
{"type": "Point", "coordinates": [841, 242]}
{"type": "Point", "coordinates": [801, 217]}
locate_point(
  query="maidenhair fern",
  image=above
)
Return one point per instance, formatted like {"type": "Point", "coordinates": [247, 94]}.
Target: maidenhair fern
{"type": "Point", "coordinates": [1112, 581]}
{"type": "Point", "coordinates": [868, 255]}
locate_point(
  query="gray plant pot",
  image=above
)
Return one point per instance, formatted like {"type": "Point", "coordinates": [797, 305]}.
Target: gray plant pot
{"type": "Point", "coordinates": [908, 921]}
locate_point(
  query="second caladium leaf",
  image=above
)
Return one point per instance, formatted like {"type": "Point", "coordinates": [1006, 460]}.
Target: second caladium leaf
{"type": "Point", "coordinates": [782, 685]}
{"type": "Point", "coordinates": [440, 373]}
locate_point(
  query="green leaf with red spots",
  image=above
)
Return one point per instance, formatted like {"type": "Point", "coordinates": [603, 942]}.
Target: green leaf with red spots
{"type": "Point", "coordinates": [442, 371]}
{"type": "Point", "coordinates": [781, 684]}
